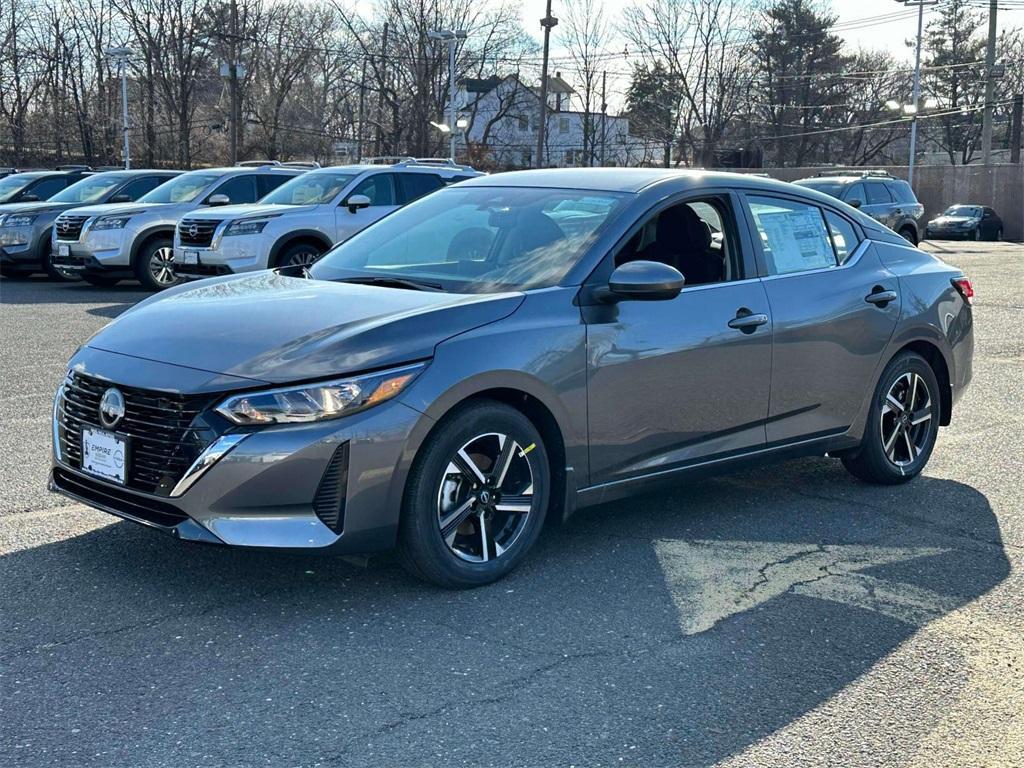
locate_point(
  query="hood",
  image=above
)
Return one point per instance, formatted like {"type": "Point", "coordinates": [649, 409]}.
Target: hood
{"type": "Point", "coordinates": [248, 211]}
{"type": "Point", "coordinates": [40, 207]}
{"type": "Point", "coordinates": [119, 208]}
{"type": "Point", "coordinates": [276, 329]}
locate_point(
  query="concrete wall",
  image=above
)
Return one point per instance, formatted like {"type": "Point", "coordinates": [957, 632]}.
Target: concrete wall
{"type": "Point", "coordinates": [998, 186]}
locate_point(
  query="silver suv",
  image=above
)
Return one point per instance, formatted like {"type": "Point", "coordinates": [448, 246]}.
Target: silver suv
{"type": "Point", "coordinates": [108, 243]}
{"type": "Point", "coordinates": [301, 220]}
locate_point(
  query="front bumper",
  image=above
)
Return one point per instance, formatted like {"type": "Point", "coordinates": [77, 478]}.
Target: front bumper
{"type": "Point", "coordinates": [274, 488]}
{"type": "Point", "coordinates": [948, 234]}
{"type": "Point", "coordinates": [225, 256]}
{"type": "Point", "coordinates": [96, 252]}
{"type": "Point", "coordinates": [20, 255]}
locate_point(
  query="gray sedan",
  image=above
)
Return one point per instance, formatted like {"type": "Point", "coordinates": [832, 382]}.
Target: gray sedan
{"type": "Point", "coordinates": [509, 350]}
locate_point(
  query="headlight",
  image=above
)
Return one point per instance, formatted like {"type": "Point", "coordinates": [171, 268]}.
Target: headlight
{"type": "Point", "coordinates": [317, 402]}
{"type": "Point", "coordinates": [17, 220]}
{"type": "Point", "coordinates": [246, 227]}
{"type": "Point", "coordinates": [111, 222]}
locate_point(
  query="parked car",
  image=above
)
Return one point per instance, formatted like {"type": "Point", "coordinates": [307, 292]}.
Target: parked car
{"type": "Point", "coordinates": [974, 222]}
{"type": "Point", "coordinates": [301, 220]}
{"type": "Point", "coordinates": [33, 186]}
{"type": "Point", "coordinates": [108, 243]}
{"type": "Point", "coordinates": [26, 228]}
{"type": "Point", "coordinates": [449, 378]}
{"type": "Point", "coordinates": [880, 195]}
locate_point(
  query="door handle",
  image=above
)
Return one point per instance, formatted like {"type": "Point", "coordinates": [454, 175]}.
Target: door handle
{"type": "Point", "coordinates": [747, 321]}
{"type": "Point", "coordinates": [880, 297]}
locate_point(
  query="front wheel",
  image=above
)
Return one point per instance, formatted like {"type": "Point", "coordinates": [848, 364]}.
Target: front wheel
{"type": "Point", "coordinates": [902, 425]}
{"type": "Point", "coordinates": [299, 255]}
{"type": "Point", "coordinates": [476, 497]}
{"type": "Point", "coordinates": [155, 265]}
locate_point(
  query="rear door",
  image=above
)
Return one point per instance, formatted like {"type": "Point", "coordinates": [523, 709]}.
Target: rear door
{"type": "Point", "coordinates": [380, 188]}
{"type": "Point", "coordinates": [880, 204]}
{"type": "Point", "coordinates": [834, 307]}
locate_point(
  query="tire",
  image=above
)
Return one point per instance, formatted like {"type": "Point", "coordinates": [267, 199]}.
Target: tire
{"type": "Point", "coordinates": [493, 524]}
{"type": "Point", "coordinates": [301, 253]}
{"type": "Point", "coordinates": [911, 443]}
{"type": "Point", "coordinates": [153, 265]}
{"type": "Point", "coordinates": [907, 233]}
{"type": "Point", "coordinates": [101, 281]}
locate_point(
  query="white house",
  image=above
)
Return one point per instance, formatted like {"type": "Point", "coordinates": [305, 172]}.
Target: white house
{"type": "Point", "coordinates": [502, 115]}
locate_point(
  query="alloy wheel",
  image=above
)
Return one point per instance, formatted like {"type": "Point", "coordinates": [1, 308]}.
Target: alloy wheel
{"type": "Point", "coordinates": [905, 417]}
{"type": "Point", "coordinates": [302, 259]}
{"type": "Point", "coordinates": [485, 497]}
{"type": "Point", "coordinates": [161, 266]}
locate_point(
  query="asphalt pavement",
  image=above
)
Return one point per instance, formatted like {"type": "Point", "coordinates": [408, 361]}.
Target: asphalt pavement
{"type": "Point", "coordinates": [789, 616]}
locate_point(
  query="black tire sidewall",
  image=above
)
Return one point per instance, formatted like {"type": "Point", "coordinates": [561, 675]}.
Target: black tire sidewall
{"type": "Point", "coordinates": [142, 271]}
{"type": "Point", "coordinates": [421, 548]}
{"type": "Point", "coordinates": [285, 256]}
{"type": "Point", "coordinates": [871, 460]}
{"type": "Point", "coordinates": [101, 281]}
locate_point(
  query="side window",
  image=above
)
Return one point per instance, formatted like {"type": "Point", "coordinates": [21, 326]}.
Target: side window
{"type": "Point", "coordinates": [415, 185]}
{"type": "Point", "coordinates": [878, 194]}
{"type": "Point", "coordinates": [696, 237]}
{"type": "Point", "coordinates": [138, 187]}
{"type": "Point", "coordinates": [856, 192]}
{"type": "Point", "coordinates": [380, 188]}
{"type": "Point", "coordinates": [268, 182]}
{"type": "Point", "coordinates": [47, 188]}
{"type": "Point", "coordinates": [793, 235]}
{"type": "Point", "coordinates": [844, 236]}
{"type": "Point", "coordinates": [239, 189]}
{"type": "Point", "coordinates": [902, 192]}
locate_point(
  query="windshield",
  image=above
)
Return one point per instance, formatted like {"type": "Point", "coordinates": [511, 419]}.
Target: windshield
{"type": "Point", "coordinates": [831, 188]}
{"type": "Point", "coordinates": [183, 189]}
{"type": "Point", "coordinates": [309, 189]}
{"type": "Point", "coordinates": [477, 239]}
{"type": "Point", "coordinates": [12, 185]}
{"type": "Point", "coordinates": [88, 190]}
{"type": "Point", "coordinates": [970, 211]}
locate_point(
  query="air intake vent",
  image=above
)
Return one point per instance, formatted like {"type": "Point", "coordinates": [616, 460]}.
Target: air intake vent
{"type": "Point", "coordinates": [329, 502]}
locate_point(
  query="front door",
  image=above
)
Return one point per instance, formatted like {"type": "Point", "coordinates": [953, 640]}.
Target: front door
{"type": "Point", "coordinates": [677, 382]}
{"type": "Point", "coordinates": [380, 189]}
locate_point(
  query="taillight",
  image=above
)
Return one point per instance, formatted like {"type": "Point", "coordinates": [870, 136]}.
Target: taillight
{"type": "Point", "coordinates": [964, 288]}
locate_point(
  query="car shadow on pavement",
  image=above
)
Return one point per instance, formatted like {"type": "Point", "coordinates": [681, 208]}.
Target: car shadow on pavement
{"type": "Point", "coordinates": [674, 629]}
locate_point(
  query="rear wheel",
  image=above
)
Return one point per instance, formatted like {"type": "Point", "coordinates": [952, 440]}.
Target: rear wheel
{"type": "Point", "coordinates": [476, 497]}
{"type": "Point", "coordinates": [155, 265]}
{"type": "Point", "coordinates": [907, 233]}
{"type": "Point", "coordinates": [902, 425]}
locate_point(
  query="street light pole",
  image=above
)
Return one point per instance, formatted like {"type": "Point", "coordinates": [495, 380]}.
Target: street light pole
{"type": "Point", "coordinates": [548, 22]}
{"type": "Point", "coordinates": [990, 63]}
{"type": "Point", "coordinates": [452, 38]}
{"type": "Point", "coordinates": [121, 55]}
{"type": "Point", "coordinates": [917, 88]}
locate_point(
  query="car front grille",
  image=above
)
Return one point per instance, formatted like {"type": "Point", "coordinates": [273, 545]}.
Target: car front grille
{"type": "Point", "coordinates": [197, 232]}
{"type": "Point", "coordinates": [69, 227]}
{"type": "Point", "coordinates": [163, 437]}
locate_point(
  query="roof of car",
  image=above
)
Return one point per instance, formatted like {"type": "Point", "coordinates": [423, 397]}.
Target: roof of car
{"type": "Point", "coordinates": [623, 179]}
{"type": "Point", "coordinates": [237, 169]}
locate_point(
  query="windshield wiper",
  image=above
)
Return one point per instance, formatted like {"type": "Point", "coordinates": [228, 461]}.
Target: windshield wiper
{"type": "Point", "coordinates": [394, 282]}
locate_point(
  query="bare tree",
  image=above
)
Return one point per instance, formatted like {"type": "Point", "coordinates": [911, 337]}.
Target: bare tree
{"type": "Point", "coordinates": [586, 35]}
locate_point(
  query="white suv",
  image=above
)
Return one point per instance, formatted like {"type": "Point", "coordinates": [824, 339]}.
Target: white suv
{"type": "Point", "coordinates": [301, 220]}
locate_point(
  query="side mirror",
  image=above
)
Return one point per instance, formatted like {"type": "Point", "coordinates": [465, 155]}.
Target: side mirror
{"type": "Point", "coordinates": [218, 200]}
{"type": "Point", "coordinates": [855, 203]}
{"type": "Point", "coordinates": [646, 281]}
{"type": "Point", "coordinates": [122, 198]}
{"type": "Point", "coordinates": [355, 202]}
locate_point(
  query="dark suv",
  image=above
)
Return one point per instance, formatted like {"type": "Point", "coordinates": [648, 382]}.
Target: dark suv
{"type": "Point", "coordinates": [879, 194]}
{"type": "Point", "coordinates": [33, 186]}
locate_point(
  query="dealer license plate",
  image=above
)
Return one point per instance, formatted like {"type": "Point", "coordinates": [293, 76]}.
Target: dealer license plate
{"type": "Point", "coordinates": [190, 257]}
{"type": "Point", "coordinates": [104, 454]}
{"type": "Point", "coordinates": [64, 250]}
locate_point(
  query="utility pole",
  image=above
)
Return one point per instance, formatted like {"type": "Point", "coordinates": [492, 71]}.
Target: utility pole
{"type": "Point", "coordinates": [121, 56]}
{"type": "Point", "coordinates": [1015, 127]}
{"type": "Point", "coordinates": [604, 117]}
{"type": "Point", "coordinates": [548, 23]}
{"type": "Point", "coordinates": [990, 85]}
{"type": "Point", "coordinates": [362, 113]}
{"type": "Point", "coordinates": [380, 92]}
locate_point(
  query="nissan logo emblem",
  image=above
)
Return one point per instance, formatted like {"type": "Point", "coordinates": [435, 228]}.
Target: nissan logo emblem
{"type": "Point", "coordinates": [64, 226]}
{"type": "Point", "coordinates": [111, 407]}
{"type": "Point", "coordinates": [193, 230]}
